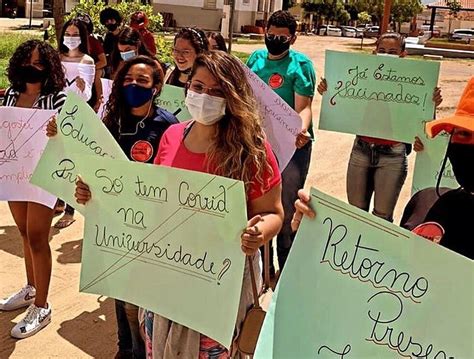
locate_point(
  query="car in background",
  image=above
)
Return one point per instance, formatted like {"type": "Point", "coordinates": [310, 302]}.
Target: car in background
{"type": "Point", "coordinates": [350, 31]}
{"type": "Point", "coordinates": [329, 30]}
{"type": "Point", "coordinates": [372, 31]}
{"type": "Point", "coordinates": [463, 34]}
{"type": "Point", "coordinates": [436, 30]}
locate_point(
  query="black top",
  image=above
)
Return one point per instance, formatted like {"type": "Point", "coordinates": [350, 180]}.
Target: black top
{"type": "Point", "coordinates": [110, 42]}
{"type": "Point", "coordinates": [141, 137]}
{"type": "Point", "coordinates": [454, 211]}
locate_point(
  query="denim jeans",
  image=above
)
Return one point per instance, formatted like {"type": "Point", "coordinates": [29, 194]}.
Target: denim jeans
{"type": "Point", "coordinates": [376, 169]}
{"type": "Point", "coordinates": [293, 179]}
{"type": "Point", "coordinates": [130, 342]}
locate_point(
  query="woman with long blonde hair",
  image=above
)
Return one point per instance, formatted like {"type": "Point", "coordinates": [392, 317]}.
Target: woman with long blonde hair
{"type": "Point", "coordinates": [226, 138]}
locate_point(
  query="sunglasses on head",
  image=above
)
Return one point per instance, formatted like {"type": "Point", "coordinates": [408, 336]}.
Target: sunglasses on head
{"type": "Point", "coordinates": [281, 38]}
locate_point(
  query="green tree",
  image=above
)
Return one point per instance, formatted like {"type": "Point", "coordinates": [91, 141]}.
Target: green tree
{"type": "Point", "coordinates": [454, 7]}
{"type": "Point", "coordinates": [405, 11]}
{"type": "Point", "coordinates": [364, 17]}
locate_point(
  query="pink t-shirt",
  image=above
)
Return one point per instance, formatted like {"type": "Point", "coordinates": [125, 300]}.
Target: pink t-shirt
{"type": "Point", "coordinates": [173, 153]}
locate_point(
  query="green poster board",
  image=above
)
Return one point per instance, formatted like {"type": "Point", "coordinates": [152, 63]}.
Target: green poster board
{"type": "Point", "coordinates": [356, 286]}
{"type": "Point", "coordinates": [377, 96]}
{"type": "Point", "coordinates": [80, 131]}
{"type": "Point", "coordinates": [172, 99]}
{"type": "Point", "coordinates": [167, 240]}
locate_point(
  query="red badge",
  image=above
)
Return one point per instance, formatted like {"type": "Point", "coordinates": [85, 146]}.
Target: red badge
{"type": "Point", "coordinates": [276, 81]}
{"type": "Point", "coordinates": [430, 230]}
{"type": "Point", "coordinates": [141, 151]}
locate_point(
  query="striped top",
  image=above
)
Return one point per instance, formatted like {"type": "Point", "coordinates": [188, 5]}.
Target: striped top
{"type": "Point", "coordinates": [44, 102]}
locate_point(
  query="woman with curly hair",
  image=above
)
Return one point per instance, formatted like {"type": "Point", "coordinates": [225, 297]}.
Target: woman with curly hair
{"type": "Point", "coordinates": [137, 123]}
{"type": "Point", "coordinates": [188, 44]}
{"type": "Point", "coordinates": [224, 138]}
{"type": "Point", "coordinates": [36, 81]}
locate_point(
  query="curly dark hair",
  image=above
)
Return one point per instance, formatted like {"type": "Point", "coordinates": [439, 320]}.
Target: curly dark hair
{"type": "Point", "coordinates": [50, 59]}
{"type": "Point", "coordinates": [199, 42]}
{"type": "Point", "coordinates": [283, 18]}
{"type": "Point", "coordinates": [128, 36]}
{"type": "Point", "coordinates": [109, 13]}
{"type": "Point", "coordinates": [82, 33]}
{"type": "Point", "coordinates": [116, 108]}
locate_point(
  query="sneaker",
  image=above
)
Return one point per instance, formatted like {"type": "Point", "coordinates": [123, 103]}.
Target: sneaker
{"type": "Point", "coordinates": [36, 318]}
{"type": "Point", "coordinates": [23, 298]}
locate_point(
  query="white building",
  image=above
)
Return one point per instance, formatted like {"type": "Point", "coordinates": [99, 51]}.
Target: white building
{"type": "Point", "coordinates": [208, 14]}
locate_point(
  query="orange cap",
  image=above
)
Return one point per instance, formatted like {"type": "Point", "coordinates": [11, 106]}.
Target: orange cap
{"type": "Point", "coordinates": [463, 117]}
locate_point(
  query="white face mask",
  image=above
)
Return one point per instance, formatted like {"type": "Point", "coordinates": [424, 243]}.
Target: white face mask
{"type": "Point", "coordinates": [127, 55]}
{"type": "Point", "coordinates": [388, 55]}
{"type": "Point", "coordinates": [72, 42]}
{"type": "Point", "coordinates": [205, 109]}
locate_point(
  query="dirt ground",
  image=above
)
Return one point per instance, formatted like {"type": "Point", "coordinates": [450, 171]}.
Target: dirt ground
{"type": "Point", "coordinates": [83, 325]}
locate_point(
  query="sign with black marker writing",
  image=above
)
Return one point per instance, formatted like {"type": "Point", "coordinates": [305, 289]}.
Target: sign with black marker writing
{"type": "Point", "coordinates": [22, 141]}
{"type": "Point", "coordinates": [377, 96]}
{"type": "Point", "coordinates": [167, 240]}
{"type": "Point", "coordinates": [80, 131]}
{"type": "Point", "coordinates": [356, 286]}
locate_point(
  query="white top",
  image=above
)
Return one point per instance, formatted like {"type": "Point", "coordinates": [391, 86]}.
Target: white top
{"type": "Point", "coordinates": [72, 70]}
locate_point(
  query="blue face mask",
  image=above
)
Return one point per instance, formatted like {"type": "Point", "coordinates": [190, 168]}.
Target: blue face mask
{"type": "Point", "coordinates": [127, 55]}
{"type": "Point", "coordinates": [137, 96]}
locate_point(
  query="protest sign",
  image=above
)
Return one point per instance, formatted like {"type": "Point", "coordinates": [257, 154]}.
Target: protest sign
{"type": "Point", "coordinates": [281, 123]}
{"type": "Point", "coordinates": [80, 132]}
{"type": "Point", "coordinates": [106, 91]}
{"type": "Point", "coordinates": [428, 163]}
{"type": "Point", "coordinates": [22, 141]}
{"type": "Point", "coordinates": [377, 96]}
{"type": "Point", "coordinates": [356, 286]}
{"type": "Point", "coordinates": [172, 99]}
{"type": "Point", "coordinates": [167, 240]}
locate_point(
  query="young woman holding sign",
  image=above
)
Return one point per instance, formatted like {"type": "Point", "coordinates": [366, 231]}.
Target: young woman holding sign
{"type": "Point", "coordinates": [224, 138]}
{"type": "Point", "coordinates": [36, 81]}
{"type": "Point", "coordinates": [137, 124]}
{"type": "Point", "coordinates": [379, 166]}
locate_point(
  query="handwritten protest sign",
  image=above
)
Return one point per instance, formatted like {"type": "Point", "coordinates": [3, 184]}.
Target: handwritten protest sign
{"type": "Point", "coordinates": [167, 240]}
{"type": "Point", "coordinates": [172, 99]}
{"type": "Point", "coordinates": [22, 140]}
{"type": "Point", "coordinates": [355, 286]}
{"type": "Point", "coordinates": [106, 91]}
{"type": "Point", "coordinates": [377, 96]}
{"type": "Point", "coordinates": [429, 161]}
{"type": "Point", "coordinates": [281, 123]}
{"type": "Point", "coordinates": [80, 132]}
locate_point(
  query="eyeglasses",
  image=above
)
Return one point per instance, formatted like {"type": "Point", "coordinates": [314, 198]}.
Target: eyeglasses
{"type": "Point", "coordinates": [184, 53]}
{"type": "Point", "coordinates": [200, 88]}
{"type": "Point", "coordinates": [281, 38]}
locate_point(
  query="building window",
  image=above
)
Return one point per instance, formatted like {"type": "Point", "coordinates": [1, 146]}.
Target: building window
{"type": "Point", "coordinates": [210, 4]}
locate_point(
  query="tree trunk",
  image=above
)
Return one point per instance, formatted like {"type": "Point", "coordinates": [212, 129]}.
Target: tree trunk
{"type": "Point", "coordinates": [58, 15]}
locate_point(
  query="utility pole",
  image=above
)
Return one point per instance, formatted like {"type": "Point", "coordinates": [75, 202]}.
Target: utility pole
{"type": "Point", "coordinates": [231, 23]}
{"type": "Point", "coordinates": [386, 16]}
{"type": "Point", "coordinates": [31, 13]}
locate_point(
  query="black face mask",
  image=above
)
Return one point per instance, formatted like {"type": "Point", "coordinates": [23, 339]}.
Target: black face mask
{"type": "Point", "coordinates": [32, 75]}
{"type": "Point", "coordinates": [462, 161]}
{"type": "Point", "coordinates": [111, 27]}
{"type": "Point", "coordinates": [276, 47]}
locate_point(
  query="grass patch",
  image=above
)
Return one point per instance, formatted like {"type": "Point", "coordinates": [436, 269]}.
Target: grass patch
{"type": "Point", "coordinates": [243, 56]}
{"type": "Point", "coordinates": [244, 41]}
{"type": "Point", "coordinates": [10, 41]}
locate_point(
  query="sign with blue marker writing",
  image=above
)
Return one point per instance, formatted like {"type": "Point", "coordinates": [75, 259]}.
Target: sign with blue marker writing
{"type": "Point", "coordinates": [167, 240]}
{"type": "Point", "coordinates": [80, 131]}
{"type": "Point", "coordinates": [356, 286]}
{"type": "Point", "coordinates": [377, 96]}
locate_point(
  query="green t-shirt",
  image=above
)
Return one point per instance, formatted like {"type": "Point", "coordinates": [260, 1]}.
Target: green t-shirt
{"type": "Point", "coordinates": [292, 74]}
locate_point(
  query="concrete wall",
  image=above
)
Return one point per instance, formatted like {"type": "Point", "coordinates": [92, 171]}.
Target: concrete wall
{"type": "Point", "coordinates": [207, 19]}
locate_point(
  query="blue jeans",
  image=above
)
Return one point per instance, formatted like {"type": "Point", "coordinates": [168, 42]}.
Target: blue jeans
{"type": "Point", "coordinates": [376, 169]}
{"type": "Point", "coordinates": [130, 342]}
{"type": "Point", "coordinates": [293, 179]}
